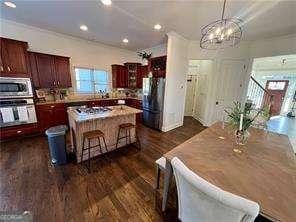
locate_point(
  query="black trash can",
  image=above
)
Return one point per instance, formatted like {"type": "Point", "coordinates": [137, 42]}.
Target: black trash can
{"type": "Point", "coordinates": [57, 144]}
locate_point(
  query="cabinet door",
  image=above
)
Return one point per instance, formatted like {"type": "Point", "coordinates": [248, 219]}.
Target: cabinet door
{"type": "Point", "coordinates": [45, 67]}
{"type": "Point", "coordinates": [124, 77]}
{"type": "Point", "coordinates": [62, 71]}
{"type": "Point", "coordinates": [119, 76]}
{"type": "Point", "coordinates": [60, 115]}
{"type": "Point", "coordinates": [144, 71]}
{"type": "Point", "coordinates": [13, 132]}
{"type": "Point", "coordinates": [33, 69]}
{"type": "Point", "coordinates": [14, 56]}
{"type": "Point", "coordinates": [51, 115]}
{"type": "Point", "coordinates": [1, 52]}
{"type": "Point", "coordinates": [45, 116]}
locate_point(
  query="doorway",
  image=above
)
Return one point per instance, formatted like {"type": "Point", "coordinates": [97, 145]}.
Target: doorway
{"type": "Point", "coordinates": [277, 89]}
{"type": "Point", "coordinates": [275, 76]}
{"type": "Point", "coordinates": [197, 90]}
{"type": "Point", "coordinates": [190, 95]}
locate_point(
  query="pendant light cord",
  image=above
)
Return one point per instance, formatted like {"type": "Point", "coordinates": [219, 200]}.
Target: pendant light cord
{"type": "Point", "coordinates": [223, 10]}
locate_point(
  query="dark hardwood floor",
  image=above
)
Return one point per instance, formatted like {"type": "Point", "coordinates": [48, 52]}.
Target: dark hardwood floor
{"type": "Point", "coordinates": [119, 187]}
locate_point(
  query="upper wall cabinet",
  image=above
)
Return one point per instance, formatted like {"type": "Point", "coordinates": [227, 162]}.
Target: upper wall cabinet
{"type": "Point", "coordinates": [119, 76]}
{"type": "Point", "coordinates": [157, 66]}
{"type": "Point", "coordinates": [13, 59]}
{"type": "Point", "coordinates": [50, 71]}
{"type": "Point", "coordinates": [62, 71]}
{"type": "Point", "coordinates": [134, 72]}
{"type": "Point", "coordinates": [128, 76]}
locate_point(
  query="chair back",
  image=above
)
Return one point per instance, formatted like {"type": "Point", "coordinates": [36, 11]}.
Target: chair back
{"type": "Point", "coordinates": [201, 201]}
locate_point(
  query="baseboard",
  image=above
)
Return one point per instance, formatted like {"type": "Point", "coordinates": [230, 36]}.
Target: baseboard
{"type": "Point", "coordinates": [171, 127]}
{"type": "Point", "coordinates": [204, 123]}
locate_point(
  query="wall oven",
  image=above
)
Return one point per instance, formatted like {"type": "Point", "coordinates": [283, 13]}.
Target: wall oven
{"type": "Point", "coordinates": [15, 87]}
{"type": "Point", "coordinates": [16, 112]}
{"type": "Point", "coordinates": [16, 102]}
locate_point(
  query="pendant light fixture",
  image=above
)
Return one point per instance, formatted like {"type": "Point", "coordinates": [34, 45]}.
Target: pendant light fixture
{"type": "Point", "coordinates": [221, 34]}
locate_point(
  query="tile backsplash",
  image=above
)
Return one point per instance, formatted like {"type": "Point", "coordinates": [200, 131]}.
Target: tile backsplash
{"type": "Point", "coordinates": [69, 94]}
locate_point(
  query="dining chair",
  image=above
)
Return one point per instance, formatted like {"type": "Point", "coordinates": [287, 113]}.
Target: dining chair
{"type": "Point", "coordinates": [201, 201]}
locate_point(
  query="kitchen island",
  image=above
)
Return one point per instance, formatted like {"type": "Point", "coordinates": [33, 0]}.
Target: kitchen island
{"type": "Point", "coordinates": [106, 120]}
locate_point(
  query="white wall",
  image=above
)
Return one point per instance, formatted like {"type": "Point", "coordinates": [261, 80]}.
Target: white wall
{"type": "Point", "coordinates": [176, 72]}
{"type": "Point", "coordinates": [83, 53]}
{"type": "Point", "coordinates": [159, 50]}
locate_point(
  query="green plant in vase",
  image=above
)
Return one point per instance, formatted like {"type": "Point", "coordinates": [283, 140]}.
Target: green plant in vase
{"type": "Point", "coordinates": [242, 117]}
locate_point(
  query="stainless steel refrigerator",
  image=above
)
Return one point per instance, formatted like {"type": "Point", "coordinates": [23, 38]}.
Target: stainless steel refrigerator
{"type": "Point", "coordinates": [153, 96]}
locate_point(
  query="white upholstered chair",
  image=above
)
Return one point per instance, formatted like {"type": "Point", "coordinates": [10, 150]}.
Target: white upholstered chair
{"type": "Point", "coordinates": [201, 201]}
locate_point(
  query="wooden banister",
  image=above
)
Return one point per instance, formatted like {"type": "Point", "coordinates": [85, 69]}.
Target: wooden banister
{"type": "Point", "coordinates": [257, 83]}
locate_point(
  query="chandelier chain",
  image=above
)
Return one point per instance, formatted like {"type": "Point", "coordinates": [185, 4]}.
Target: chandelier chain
{"type": "Point", "coordinates": [223, 11]}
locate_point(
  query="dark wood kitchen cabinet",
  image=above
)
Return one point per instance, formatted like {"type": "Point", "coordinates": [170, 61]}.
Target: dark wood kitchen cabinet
{"type": "Point", "coordinates": [45, 70]}
{"type": "Point", "coordinates": [50, 71]}
{"type": "Point", "coordinates": [49, 115]}
{"type": "Point", "coordinates": [134, 73]}
{"type": "Point", "coordinates": [62, 71]}
{"type": "Point", "coordinates": [136, 103]}
{"type": "Point", "coordinates": [119, 76]}
{"type": "Point", "coordinates": [33, 69]}
{"type": "Point", "coordinates": [129, 76]}
{"type": "Point", "coordinates": [142, 73]}
{"type": "Point", "coordinates": [13, 132]}
{"type": "Point", "coordinates": [157, 66]}
{"type": "Point", "coordinates": [14, 58]}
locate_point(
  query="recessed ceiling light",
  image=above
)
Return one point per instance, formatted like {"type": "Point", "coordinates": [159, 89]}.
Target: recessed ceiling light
{"type": "Point", "coordinates": [157, 27]}
{"type": "Point", "coordinates": [125, 40]}
{"type": "Point", "coordinates": [10, 4]}
{"type": "Point", "coordinates": [83, 28]}
{"type": "Point", "coordinates": [106, 2]}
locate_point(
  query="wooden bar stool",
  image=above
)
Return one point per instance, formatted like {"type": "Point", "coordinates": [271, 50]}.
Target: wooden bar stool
{"type": "Point", "coordinates": [126, 127]}
{"type": "Point", "coordinates": [94, 134]}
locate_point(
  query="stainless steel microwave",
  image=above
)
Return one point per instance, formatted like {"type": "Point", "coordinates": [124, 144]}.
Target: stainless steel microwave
{"type": "Point", "coordinates": [15, 87]}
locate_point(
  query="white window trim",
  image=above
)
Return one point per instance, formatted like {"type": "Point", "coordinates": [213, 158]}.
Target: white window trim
{"type": "Point", "coordinates": [92, 80]}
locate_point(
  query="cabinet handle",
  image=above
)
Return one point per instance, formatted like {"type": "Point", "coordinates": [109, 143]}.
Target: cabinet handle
{"type": "Point", "coordinates": [19, 131]}
{"type": "Point", "coordinates": [1, 68]}
{"type": "Point", "coordinates": [54, 83]}
{"type": "Point", "coordinates": [58, 82]}
{"type": "Point", "coordinates": [51, 106]}
{"type": "Point", "coordinates": [8, 68]}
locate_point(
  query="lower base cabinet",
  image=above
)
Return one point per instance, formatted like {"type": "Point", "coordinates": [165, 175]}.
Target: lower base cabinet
{"type": "Point", "coordinates": [137, 104]}
{"type": "Point", "coordinates": [49, 115]}
{"type": "Point", "coordinates": [11, 132]}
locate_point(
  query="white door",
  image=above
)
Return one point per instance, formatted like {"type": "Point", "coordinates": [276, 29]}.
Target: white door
{"type": "Point", "coordinates": [190, 95]}
{"type": "Point", "coordinates": [230, 85]}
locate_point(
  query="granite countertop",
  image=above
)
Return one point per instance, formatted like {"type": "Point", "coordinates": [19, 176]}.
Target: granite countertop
{"type": "Point", "coordinates": [115, 111]}
{"type": "Point", "coordinates": [82, 100]}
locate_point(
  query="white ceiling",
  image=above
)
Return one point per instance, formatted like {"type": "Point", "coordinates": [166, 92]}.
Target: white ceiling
{"type": "Point", "coordinates": [135, 19]}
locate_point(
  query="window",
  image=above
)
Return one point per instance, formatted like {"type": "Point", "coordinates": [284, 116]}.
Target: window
{"type": "Point", "coordinates": [276, 85]}
{"type": "Point", "coordinates": [91, 80]}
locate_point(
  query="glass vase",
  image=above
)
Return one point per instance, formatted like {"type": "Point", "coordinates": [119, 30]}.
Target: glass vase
{"type": "Point", "coordinates": [241, 137]}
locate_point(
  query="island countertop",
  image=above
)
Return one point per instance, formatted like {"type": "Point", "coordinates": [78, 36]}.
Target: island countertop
{"type": "Point", "coordinates": [115, 111]}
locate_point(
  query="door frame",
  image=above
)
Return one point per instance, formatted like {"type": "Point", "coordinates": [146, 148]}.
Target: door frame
{"type": "Point", "coordinates": [284, 90]}
{"type": "Point", "coordinates": [194, 78]}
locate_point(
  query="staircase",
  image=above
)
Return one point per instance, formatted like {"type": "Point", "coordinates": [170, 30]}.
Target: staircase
{"type": "Point", "coordinates": [258, 96]}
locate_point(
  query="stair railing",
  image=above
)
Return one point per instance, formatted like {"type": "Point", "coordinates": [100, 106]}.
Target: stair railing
{"type": "Point", "coordinates": [258, 95]}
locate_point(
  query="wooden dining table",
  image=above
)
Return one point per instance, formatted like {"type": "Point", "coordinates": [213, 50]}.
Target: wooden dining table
{"type": "Point", "coordinates": [263, 170]}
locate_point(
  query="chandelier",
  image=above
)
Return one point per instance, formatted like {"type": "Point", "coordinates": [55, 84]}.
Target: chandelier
{"type": "Point", "coordinates": [221, 34]}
